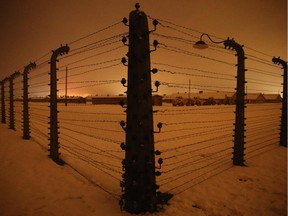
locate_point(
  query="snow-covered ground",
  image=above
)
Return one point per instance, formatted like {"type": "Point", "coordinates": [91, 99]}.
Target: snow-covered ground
{"type": "Point", "coordinates": [196, 145]}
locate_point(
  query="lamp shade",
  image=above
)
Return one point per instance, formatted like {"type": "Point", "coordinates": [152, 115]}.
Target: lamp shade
{"type": "Point", "coordinates": [200, 45]}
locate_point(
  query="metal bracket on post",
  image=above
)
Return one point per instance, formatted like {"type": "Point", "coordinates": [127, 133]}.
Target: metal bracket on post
{"type": "Point", "coordinates": [238, 154]}
{"type": "Point", "coordinates": [11, 108]}
{"type": "Point", "coordinates": [54, 144]}
{"type": "Point", "coordinates": [26, 126]}
{"type": "Point", "coordinates": [283, 130]}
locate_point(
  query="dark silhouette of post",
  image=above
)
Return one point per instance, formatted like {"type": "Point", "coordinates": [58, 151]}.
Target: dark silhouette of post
{"type": "Point", "coordinates": [139, 181]}
{"type": "Point", "coordinates": [54, 144]}
{"type": "Point", "coordinates": [26, 126]}
{"type": "Point", "coordinates": [11, 106]}
{"type": "Point", "coordinates": [239, 136]}
{"type": "Point", "coordinates": [283, 129]}
{"type": "Point", "coordinates": [3, 111]}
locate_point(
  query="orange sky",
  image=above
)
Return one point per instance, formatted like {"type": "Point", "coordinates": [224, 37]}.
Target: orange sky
{"type": "Point", "coordinates": [34, 28]}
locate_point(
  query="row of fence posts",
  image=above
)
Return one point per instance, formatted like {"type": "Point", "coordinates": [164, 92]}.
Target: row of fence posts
{"type": "Point", "coordinates": [140, 191]}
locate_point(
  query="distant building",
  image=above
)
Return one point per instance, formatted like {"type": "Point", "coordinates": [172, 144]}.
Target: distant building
{"type": "Point", "coordinates": [251, 98]}
{"type": "Point", "coordinates": [72, 100]}
{"type": "Point", "coordinates": [261, 98]}
{"type": "Point", "coordinates": [59, 100]}
{"type": "Point", "coordinates": [156, 100]}
{"type": "Point", "coordinates": [254, 98]}
{"type": "Point", "coordinates": [273, 98]}
{"type": "Point", "coordinates": [108, 100]}
{"type": "Point", "coordinates": [203, 98]}
{"type": "Point", "coordinates": [211, 98]}
{"type": "Point", "coordinates": [39, 99]}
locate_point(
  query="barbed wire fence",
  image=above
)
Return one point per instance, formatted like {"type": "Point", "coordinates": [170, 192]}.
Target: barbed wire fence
{"type": "Point", "coordinates": [263, 120]}
{"type": "Point", "coordinates": [90, 134]}
{"type": "Point", "coordinates": [86, 134]}
{"type": "Point", "coordinates": [198, 141]}
{"type": "Point", "coordinates": [17, 91]}
{"type": "Point", "coordinates": [38, 91]}
{"type": "Point", "coordinates": [261, 131]}
{"type": "Point", "coordinates": [195, 141]}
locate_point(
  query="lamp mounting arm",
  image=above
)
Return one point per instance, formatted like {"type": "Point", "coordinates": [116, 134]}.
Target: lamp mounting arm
{"type": "Point", "coordinates": [205, 34]}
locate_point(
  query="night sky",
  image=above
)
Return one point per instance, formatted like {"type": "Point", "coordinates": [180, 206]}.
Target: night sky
{"type": "Point", "coordinates": [30, 29]}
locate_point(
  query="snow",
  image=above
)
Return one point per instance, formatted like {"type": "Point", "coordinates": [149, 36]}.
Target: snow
{"type": "Point", "coordinates": [31, 184]}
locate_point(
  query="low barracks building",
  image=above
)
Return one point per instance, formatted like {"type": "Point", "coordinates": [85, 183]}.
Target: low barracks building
{"type": "Point", "coordinates": [225, 97]}
{"type": "Point", "coordinates": [156, 100]}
